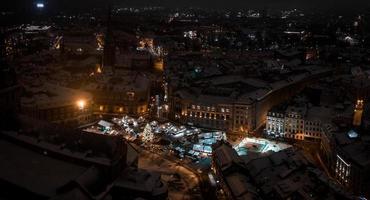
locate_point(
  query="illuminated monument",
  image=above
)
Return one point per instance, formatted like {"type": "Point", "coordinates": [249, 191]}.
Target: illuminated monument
{"type": "Point", "coordinates": [357, 115]}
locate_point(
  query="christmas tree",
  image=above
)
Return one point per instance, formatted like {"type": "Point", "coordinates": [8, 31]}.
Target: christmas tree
{"type": "Point", "coordinates": [148, 133]}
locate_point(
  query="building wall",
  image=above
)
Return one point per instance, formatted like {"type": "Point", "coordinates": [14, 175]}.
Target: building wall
{"type": "Point", "coordinates": [228, 117]}
{"type": "Point", "coordinates": [130, 103]}
{"type": "Point", "coordinates": [255, 113]}
{"type": "Point", "coordinates": [69, 114]}
{"type": "Point", "coordinates": [293, 125]}
{"type": "Point", "coordinates": [349, 174]}
{"type": "Point", "coordinates": [275, 123]}
{"type": "Point", "coordinates": [326, 147]}
{"type": "Point", "coordinates": [10, 99]}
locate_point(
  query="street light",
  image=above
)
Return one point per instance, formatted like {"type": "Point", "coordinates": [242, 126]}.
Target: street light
{"type": "Point", "coordinates": [81, 104]}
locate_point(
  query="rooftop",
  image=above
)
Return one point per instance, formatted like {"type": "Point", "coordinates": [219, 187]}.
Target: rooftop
{"type": "Point", "coordinates": [126, 82]}
{"type": "Point", "coordinates": [191, 79]}
{"type": "Point", "coordinates": [284, 174]}
{"type": "Point", "coordinates": [47, 95]}
{"type": "Point", "coordinates": [355, 148]}
{"type": "Point", "coordinates": [21, 166]}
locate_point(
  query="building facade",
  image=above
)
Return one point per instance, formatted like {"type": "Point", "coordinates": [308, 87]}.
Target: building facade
{"type": "Point", "coordinates": [230, 117]}
{"type": "Point", "coordinates": [127, 94]}
{"type": "Point", "coordinates": [292, 122]}
{"type": "Point", "coordinates": [345, 154]}
{"type": "Point", "coordinates": [57, 104]}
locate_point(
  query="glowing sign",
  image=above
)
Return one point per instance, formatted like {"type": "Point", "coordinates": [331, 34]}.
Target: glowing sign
{"type": "Point", "coordinates": [40, 5]}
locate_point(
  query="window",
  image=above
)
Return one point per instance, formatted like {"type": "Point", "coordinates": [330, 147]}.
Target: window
{"type": "Point", "coordinates": [130, 95]}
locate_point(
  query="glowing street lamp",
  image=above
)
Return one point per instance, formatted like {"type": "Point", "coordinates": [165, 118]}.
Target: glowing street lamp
{"type": "Point", "coordinates": [81, 104]}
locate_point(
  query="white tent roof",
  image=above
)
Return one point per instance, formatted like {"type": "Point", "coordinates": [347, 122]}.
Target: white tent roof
{"type": "Point", "coordinates": [105, 123]}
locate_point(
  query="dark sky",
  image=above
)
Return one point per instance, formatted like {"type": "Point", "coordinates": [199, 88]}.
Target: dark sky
{"type": "Point", "coordinates": [86, 4]}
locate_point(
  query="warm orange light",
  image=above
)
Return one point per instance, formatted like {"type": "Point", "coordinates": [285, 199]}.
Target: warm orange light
{"type": "Point", "coordinates": [159, 64]}
{"type": "Point", "coordinates": [98, 70]}
{"type": "Point", "coordinates": [81, 104]}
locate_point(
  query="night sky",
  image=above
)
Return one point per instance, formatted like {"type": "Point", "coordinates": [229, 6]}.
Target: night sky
{"type": "Point", "coordinates": [86, 4]}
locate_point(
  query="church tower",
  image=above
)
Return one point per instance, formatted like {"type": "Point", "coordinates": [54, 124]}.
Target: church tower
{"type": "Point", "coordinates": [109, 46]}
{"type": "Point", "coordinates": [357, 115]}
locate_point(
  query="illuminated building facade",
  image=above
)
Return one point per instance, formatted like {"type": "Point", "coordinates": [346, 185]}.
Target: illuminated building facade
{"type": "Point", "coordinates": [129, 94]}
{"type": "Point", "coordinates": [275, 123]}
{"type": "Point", "coordinates": [295, 122]}
{"type": "Point", "coordinates": [342, 170]}
{"type": "Point", "coordinates": [223, 116]}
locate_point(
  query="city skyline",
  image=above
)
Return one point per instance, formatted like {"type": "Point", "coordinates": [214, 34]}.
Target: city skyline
{"type": "Point", "coordinates": [340, 5]}
{"type": "Point", "coordinates": [179, 101]}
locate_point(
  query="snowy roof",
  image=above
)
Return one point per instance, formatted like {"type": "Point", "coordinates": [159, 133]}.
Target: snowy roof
{"type": "Point", "coordinates": [32, 171]}
{"type": "Point", "coordinates": [50, 95]}
{"type": "Point", "coordinates": [105, 123]}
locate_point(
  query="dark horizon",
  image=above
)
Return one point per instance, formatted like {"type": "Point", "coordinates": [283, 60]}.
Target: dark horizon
{"type": "Point", "coordinates": [78, 5]}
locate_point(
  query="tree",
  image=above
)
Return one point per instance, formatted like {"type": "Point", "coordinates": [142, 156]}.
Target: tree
{"type": "Point", "coordinates": [148, 133]}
